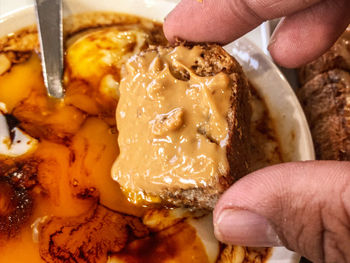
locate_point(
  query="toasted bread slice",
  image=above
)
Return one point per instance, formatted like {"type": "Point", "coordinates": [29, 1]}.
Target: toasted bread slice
{"type": "Point", "coordinates": [326, 102]}
{"type": "Point", "coordinates": [325, 97]}
{"type": "Point", "coordinates": [185, 137]}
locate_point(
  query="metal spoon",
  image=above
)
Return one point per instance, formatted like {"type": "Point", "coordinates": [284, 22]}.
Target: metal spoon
{"type": "Point", "coordinates": [49, 17]}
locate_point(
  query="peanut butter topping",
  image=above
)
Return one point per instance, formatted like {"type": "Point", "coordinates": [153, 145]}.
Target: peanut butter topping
{"type": "Point", "coordinates": [172, 124]}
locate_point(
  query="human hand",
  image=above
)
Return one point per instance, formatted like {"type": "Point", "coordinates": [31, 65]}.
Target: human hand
{"type": "Point", "coordinates": [304, 206]}
{"type": "Point", "coordinates": [309, 28]}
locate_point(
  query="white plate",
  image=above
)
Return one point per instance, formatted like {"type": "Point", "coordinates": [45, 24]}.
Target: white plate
{"type": "Point", "coordinates": [284, 107]}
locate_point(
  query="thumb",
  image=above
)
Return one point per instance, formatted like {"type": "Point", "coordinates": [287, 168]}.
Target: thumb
{"type": "Point", "coordinates": [310, 27]}
{"type": "Point", "coordinates": [304, 206]}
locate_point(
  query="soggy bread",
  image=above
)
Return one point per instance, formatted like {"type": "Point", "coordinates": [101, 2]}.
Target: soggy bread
{"type": "Point", "coordinates": [325, 97]}
{"type": "Point", "coordinates": [326, 101]}
{"type": "Point", "coordinates": [183, 120]}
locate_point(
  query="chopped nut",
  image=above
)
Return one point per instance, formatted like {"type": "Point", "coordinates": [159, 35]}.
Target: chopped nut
{"type": "Point", "coordinates": [156, 65]}
{"type": "Point", "coordinates": [233, 254]}
{"type": "Point", "coordinates": [167, 122]}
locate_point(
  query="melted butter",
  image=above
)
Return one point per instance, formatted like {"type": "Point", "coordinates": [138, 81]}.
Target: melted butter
{"type": "Point", "coordinates": [172, 130]}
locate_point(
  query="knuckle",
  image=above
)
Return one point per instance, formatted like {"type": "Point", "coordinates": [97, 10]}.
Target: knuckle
{"type": "Point", "coordinates": [314, 220]}
{"type": "Point", "coordinates": [335, 242]}
{"type": "Point", "coordinates": [335, 223]}
{"type": "Point", "coordinates": [318, 225]}
{"type": "Point", "coordinates": [244, 11]}
{"type": "Point", "coordinates": [320, 236]}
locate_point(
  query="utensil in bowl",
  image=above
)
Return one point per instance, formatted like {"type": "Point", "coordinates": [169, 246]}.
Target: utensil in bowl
{"type": "Point", "coordinates": [49, 18]}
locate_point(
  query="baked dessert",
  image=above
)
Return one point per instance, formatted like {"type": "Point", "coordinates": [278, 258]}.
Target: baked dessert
{"type": "Point", "coordinates": [325, 97]}
{"type": "Point", "coordinates": [183, 120]}
{"type": "Point", "coordinates": [326, 100]}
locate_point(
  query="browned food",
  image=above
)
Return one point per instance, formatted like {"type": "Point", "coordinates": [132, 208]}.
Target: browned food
{"type": "Point", "coordinates": [168, 245]}
{"type": "Point", "coordinates": [338, 57]}
{"type": "Point", "coordinates": [88, 238]}
{"type": "Point", "coordinates": [196, 98]}
{"type": "Point", "coordinates": [232, 254]}
{"type": "Point", "coordinates": [16, 205]}
{"type": "Point", "coordinates": [326, 101]}
{"type": "Point", "coordinates": [17, 179]}
{"type": "Point", "coordinates": [23, 173]}
{"type": "Point", "coordinates": [324, 96]}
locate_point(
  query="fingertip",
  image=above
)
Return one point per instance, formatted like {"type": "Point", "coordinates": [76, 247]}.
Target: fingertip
{"type": "Point", "coordinates": [208, 21]}
{"type": "Point", "coordinates": [245, 228]}
{"type": "Point", "coordinates": [284, 57]}
{"type": "Point", "coordinates": [169, 26]}
{"type": "Point", "coordinates": [268, 206]}
{"type": "Point", "coordinates": [167, 32]}
{"type": "Point", "coordinates": [179, 22]}
{"type": "Point", "coordinates": [306, 35]}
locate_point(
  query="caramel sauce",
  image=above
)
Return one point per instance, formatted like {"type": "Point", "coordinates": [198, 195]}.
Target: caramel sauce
{"type": "Point", "coordinates": [166, 246]}
{"type": "Point", "coordinates": [54, 195]}
{"type": "Point", "coordinates": [72, 165]}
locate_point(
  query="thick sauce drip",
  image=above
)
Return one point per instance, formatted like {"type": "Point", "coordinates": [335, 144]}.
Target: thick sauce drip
{"type": "Point", "coordinates": [177, 127]}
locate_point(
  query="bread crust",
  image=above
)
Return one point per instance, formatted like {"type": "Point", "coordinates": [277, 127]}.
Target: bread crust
{"type": "Point", "coordinates": [326, 102]}
{"type": "Point", "coordinates": [217, 60]}
{"type": "Point", "coordinates": [325, 97]}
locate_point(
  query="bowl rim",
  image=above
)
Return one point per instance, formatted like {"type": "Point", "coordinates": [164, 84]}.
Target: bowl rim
{"type": "Point", "coordinates": [235, 48]}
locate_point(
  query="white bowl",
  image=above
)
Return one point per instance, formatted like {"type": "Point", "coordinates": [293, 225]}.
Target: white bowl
{"type": "Point", "coordinates": [293, 131]}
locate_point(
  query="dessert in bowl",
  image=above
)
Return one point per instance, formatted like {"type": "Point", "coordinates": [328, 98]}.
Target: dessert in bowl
{"type": "Point", "coordinates": [59, 155]}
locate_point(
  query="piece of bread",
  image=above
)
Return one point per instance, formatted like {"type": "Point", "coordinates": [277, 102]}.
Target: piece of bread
{"type": "Point", "coordinates": [217, 60]}
{"type": "Point", "coordinates": [212, 60]}
{"type": "Point", "coordinates": [326, 102]}
{"type": "Point", "coordinates": [325, 97]}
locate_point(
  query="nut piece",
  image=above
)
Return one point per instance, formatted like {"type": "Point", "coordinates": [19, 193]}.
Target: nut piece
{"type": "Point", "coordinates": [5, 64]}
{"type": "Point", "coordinates": [238, 254]}
{"type": "Point", "coordinates": [170, 121]}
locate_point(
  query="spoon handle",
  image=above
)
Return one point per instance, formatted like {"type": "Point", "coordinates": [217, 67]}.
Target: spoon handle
{"type": "Point", "coordinates": [49, 17]}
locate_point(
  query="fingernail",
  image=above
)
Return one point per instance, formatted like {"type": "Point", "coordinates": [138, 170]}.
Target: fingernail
{"type": "Point", "coordinates": [272, 41]}
{"type": "Point", "coordinates": [274, 36]}
{"type": "Point", "coordinates": [245, 228]}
